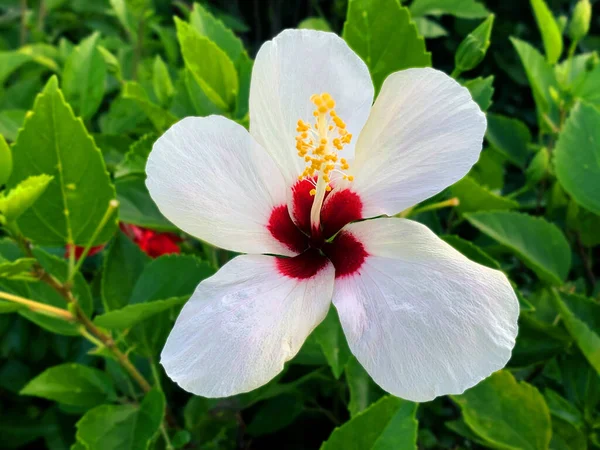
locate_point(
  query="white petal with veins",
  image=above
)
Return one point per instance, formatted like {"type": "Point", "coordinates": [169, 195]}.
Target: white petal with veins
{"type": "Point", "coordinates": [210, 178]}
{"type": "Point", "coordinates": [424, 133]}
{"type": "Point", "coordinates": [242, 324]}
{"type": "Point", "coordinates": [291, 68]}
{"type": "Point", "coordinates": [420, 317]}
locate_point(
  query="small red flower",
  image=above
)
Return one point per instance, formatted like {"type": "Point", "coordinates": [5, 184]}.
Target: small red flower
{"type": "Point", "coordinates": [152, 242]}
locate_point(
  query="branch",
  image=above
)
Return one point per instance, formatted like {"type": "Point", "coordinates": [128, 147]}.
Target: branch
{"type": "Point", "coordinates": [40, 308]}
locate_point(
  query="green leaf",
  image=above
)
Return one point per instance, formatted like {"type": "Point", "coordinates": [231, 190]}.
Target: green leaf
{"type": "Point", "coordinates": [549, 29]}
{"type": "Point", "coordinates": [160, 118]}
{"type": "Point", "coordinates": [10, 122]}
{"type": "Point", "coordinates": [135, 159]}
{"type": "Point", "coordinates": [123, 116]}
{"type": "Point", "coordinates": [130, 315]}
{"type": "Point", "coordinates": [170, 276]}
{"type": "Point", "coordinates": [538, 167]}
{"type": "Point", "coordinates": [190, 99]}
{"type": "Point", "coordinates": [524, 304]}
{"type": "Point", "coordinates": [509, 136]}
{"type": "Point", "coordinates": [573, 72]}
{"type": "Point", "coordinates": [585, 223]}
{"type": "Point", "coordinates": [563, 409]}
{"type": "Point", "coordinates": [9, 307]}
{"type": "Point", "coordinates": [72, 384]}
{"type": "Point", "coordinates": [5, 161]}
{"type": "Point", "coordinates": [219, 79]}
{"type": "Point", "coordinates": [589, 88]}
{"type": "Point", "coordinates": [581, 317]}
{"type": "Point", "coordinates": [275, 414]}
{"type": "Point", "coordinates": [581, 382]}
{"type": "Point", "coordinates": [507, 413]}
{"type": "Point", "coordinates": [244, 67]}
{"type": "Point", "coordinates": [165, 277]}
{"type": "Point", "coordinates": [488, 171]}
{"type": "Point", "coordinates": [208, 26]}
{"type": "Point", "coordinates": [537, 342]}
{"type": "Point", "coordinates": [161, 81]}
{"type": "Point", "coordinates": [314, 23]}
{"type": "Point", "coordinates": [212, 426]}
{"type": "Point", "coordinates": [43, 293]}
{"type": "Point", "coordinates": [10, 62]}
{"type": "Point", "coordinates": [462, 429]}
{"type": "Point", "coordinates": [331, 338]}
{"type": "Point", "coordinates": [471, 251]}
{"type": "Point", "coordinates": [216, 31]}
{"type": "Point", "coordinates": [540, 244]}
{"type": "Point", "coordinates": [136, 206]}
{"type": "Point", "coordinates": [122, 427]}
{"type": "Point", "coordinates": [17, 270]}
{"type": "Point", "coordinates": [363, 390]}
{"type": "Point", "coordinates": [382, 33]}
{"type": "Point", "coordinates": [123, 265]}
{"type": "Point", "coordinates": [389, 424]}
{"type": "Point", "coordinates": [474, 197]}
{"type": "Point", "coordinates": [567, 437]}
{"type": "Point", "coordinates": [84, 77]}
{"type": "Point", "coordinates": [113, 66]}
{"type": "Point", "coordinates": [474, 46]}
{"type": "Point", "coordinates": [428, 28]}
{"type": "Point", "coordinates": [481, 90]}
{"type": "Point", "coordinates": [542, 80]}
{"type": "Point", "coordinates": [54, 142]}
{"type": "Point", "coordinates": [465, 9]}
{"type": "Point", "coordinates": [22, 197]}
{"type": "Point", "coordinates": [577, 156]}
{"type": "Point", "coordinates": [124, 16]}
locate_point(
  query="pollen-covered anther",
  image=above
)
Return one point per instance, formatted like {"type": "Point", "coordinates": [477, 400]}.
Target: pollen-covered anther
{"type": "Point", "coordinates": [319, 143]}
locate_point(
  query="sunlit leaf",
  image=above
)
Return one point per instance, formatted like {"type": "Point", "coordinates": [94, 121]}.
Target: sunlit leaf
{"type": "Point", "coordinates": [577, 156]}
{"type": "Point", "coordinates": [540, 244]}
{"type": "Point", "coordinates": [528, 425]}
{"type": "Point", "coordinates": [72, 384]}
{"type": "Point", "coordinates": [54, 142]}
{"type": "Point", "coordinates": [383, 34]}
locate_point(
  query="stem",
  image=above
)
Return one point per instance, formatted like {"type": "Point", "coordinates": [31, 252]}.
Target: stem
{"type": "Point", "coordinates": [89, 337]}
{"type": "Point", "coordinates": [456, 73]}
{"type": "Point", "coordinates": [587, 265]}
{"type": "Point", "coordinates": [518, 192]}
{"type": "Point", "coordinates": [454, 201]}
{"type": "Point", "coordinates": [155, 373]}
{"type": "Point", "coordinates": [112, 206]}
{"type": "Point", "coordinates": [41, 16]}
{"type": "Point", "coordinates": [39, 308]}
{"type": "Point", "coordinates": [137, 51]}
{"type": "Point", "coordinates": [91, 328]}
{"type": "Point", "coordinates": [165, 436]}
{"type": "Point", "coordinates": [23, 29]}
{"type": "Point", "coordinates": [571, 53]}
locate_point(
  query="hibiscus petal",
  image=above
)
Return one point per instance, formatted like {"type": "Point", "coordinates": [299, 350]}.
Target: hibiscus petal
{"type": "Point", "coordinates": [291, 68]}
{"type": "Point", "coordinates": [211, 179]}
{"type": "Point", "coordinates": [424, 133]}
{"type": "Point", "coordinates": [421, 318]}
{"type": "Point", "coordinates": [245, 322]}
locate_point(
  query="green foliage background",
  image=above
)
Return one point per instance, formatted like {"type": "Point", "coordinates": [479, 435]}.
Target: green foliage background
{"type": "Point", "coordinates": [86, 87]}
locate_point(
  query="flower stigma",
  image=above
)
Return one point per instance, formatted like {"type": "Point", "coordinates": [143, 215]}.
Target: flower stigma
{"type": "Point", "coordinates": [318, 145]}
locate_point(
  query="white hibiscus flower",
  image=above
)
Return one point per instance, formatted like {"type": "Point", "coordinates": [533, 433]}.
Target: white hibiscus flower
{"type": "Point", "coordinates": [420, 317]}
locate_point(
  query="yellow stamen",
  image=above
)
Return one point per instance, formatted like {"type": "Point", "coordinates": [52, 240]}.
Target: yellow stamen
{"type": "Point", "coordinates": [318, 144]}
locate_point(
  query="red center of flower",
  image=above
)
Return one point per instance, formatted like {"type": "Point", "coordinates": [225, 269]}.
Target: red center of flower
{"type": "Point", "coordinates": [339, 208]}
